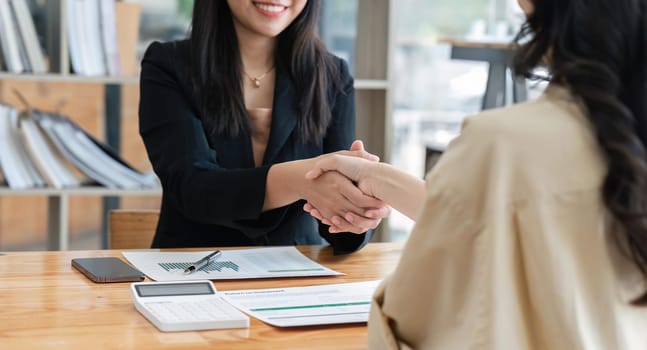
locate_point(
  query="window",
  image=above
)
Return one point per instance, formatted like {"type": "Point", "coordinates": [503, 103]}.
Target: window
{"type": "Point", "coordinates": [432, 93]}
{"type": "Point", "coordinates": [162, 20]}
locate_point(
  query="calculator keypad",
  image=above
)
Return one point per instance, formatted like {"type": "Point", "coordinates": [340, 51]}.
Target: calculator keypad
{"type": "Point", "coordinates": [202, 311]}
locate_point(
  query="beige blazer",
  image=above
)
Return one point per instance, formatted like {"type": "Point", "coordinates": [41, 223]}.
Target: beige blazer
{"type": "Point", "coordinates": [513, 247]}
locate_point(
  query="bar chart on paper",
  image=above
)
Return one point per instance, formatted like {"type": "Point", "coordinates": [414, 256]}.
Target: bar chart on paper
{"type": "Point", "coordinates": [213, 266]}
{"type": "Point", "coordinates": [266, 262]}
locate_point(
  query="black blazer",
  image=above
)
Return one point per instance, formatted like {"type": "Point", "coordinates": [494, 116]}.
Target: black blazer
{"type": "Point", "coordinates": [212, 192]}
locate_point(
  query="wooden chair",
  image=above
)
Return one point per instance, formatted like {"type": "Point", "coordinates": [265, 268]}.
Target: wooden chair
{"type": "Point", "coordinates": [132, 229]}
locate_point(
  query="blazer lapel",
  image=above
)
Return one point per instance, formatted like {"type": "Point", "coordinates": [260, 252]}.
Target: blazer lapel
{"type": "Point", "coordinates": [230, 152]}
{"type": "Point", "coordinates": [284, 116]}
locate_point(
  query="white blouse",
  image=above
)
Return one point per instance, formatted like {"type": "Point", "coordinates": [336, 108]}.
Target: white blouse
{"type": "Point", "coordinates": [261, 123]}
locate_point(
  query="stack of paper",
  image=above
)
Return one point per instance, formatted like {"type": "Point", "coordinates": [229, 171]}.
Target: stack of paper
{"type": "Point", "coordinates": [306, 306]}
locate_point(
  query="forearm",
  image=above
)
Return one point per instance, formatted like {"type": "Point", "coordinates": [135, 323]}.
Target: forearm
{"type": "Point", "coordinates": [404, 192]}
{"type": "Point", "coordinates": [285, 182]}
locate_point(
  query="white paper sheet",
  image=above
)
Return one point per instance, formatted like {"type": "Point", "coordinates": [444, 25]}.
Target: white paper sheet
{"type": "Point", "coordinates": [306, 306]}
{"type": "Point", "coordinates": [231, 264]}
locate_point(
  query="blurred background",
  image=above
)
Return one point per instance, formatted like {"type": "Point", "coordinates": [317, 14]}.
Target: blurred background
{"type": "Point", "coordinates": [429, 93]}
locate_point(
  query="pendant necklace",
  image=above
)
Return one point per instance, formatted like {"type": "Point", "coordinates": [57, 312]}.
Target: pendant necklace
{"type": "Point", "coordinates": [257, 80]}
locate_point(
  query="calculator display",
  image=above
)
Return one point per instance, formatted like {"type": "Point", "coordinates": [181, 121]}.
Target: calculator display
{"type": "Point", "coordinates": [173, 289]}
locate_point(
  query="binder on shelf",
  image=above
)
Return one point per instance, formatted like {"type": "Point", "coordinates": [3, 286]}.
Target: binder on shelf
{"type": "Point", "coordinates": [108, 20]}
{"type": "Point", "coordinates": [40, 148]}
{"type": "Point", "coordinates": [74, 36]}
{"type": "Point", "coordinates": [27, 29]}
{"type": "Point", "coordinates": [48, 126]}
{"type": "Point", "coordinates": [92, 42]}
{"type": "Point", "coordinates": [21, 48]}
{"type": "Point", "coordinates": [21, 44]}
{"type": "Point", "coordinates": [101, 38]}
{"type": "Point", "coordinates": [18, 168]}
{"type": "Point", "coordinates": [47, 159]}
{"type": "Point", "coordinates": [92, 157]}
{"type": "Point", "coordinates": [9, 40]}
{"type": "Point", "coordinates": [92, 35]}
{"type": "Point", "coordinates": [78, 40]}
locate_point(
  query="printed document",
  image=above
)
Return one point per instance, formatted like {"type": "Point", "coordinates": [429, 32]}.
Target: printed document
{"type": "Point", "coordinates": [231, 264]}
{"type": "Point", "coordinates": [306, 306]}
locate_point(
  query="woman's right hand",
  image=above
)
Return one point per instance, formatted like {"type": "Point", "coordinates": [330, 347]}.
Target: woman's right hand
{"type": "Point", "coordinates": [403, 191]}
{"type": "Point", "coordinates": [335, 197]}
{"type": "Point", "coordinates": [333, 194]}
{"type": "Point", "coordinates": [351, 221]}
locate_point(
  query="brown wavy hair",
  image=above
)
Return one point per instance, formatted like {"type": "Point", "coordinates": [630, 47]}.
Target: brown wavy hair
{"type": "Point", "coordinates": [598, 49]}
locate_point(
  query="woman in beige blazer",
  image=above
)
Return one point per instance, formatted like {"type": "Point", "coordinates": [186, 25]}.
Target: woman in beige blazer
{"type": "Point", "coordinates": [531, 230]}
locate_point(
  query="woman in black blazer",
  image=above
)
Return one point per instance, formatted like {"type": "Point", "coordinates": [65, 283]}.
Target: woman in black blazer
{"type": "Point", "coordinates": [233, 117]}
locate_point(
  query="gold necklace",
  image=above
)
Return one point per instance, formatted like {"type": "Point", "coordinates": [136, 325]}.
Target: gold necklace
{"type": "Point", "coordinates": [257, 80]}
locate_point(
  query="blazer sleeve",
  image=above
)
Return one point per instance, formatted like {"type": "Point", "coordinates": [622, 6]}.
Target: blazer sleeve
{"type": "Point", "coordinates": [340, 135]}
{"type": "Point", "coordinates": [181, 156]}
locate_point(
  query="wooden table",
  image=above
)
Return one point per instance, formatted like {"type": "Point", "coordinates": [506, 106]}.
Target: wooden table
{"type": "Point", "coordinates": [45, 304]}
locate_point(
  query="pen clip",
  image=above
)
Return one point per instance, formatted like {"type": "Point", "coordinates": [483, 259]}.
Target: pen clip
{"type": "Point", "coordinates": [200, 264]}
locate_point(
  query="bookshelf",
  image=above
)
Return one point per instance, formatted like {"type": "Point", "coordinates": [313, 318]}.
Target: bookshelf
{"type": "Point", "coordinates": [372, 83]}
{"type": "Point", "coordinates": [60, 72]}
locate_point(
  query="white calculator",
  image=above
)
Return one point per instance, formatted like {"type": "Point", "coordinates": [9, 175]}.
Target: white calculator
{"type": "Point", "coordinates": [185, 306]}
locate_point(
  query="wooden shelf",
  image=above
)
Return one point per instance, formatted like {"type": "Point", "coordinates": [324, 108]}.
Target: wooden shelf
{"type": "Point", "coordinates": [80, 191]}
{"type": "Point", "coordinates": [72, 78]}
{"type": "Point", "coordinates": [58, 206]}
{"type": "Point", "coordinates": [360, 84]}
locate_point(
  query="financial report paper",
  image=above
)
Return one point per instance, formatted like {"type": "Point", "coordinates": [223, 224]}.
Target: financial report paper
{"type": "Point", "coordinates": [306, 306]}
{"type": "Point", "coordinates": [265, 262]}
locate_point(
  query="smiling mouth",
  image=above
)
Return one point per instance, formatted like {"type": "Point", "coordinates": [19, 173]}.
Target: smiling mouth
{"type": "Point", "coordinates": [269, 7]}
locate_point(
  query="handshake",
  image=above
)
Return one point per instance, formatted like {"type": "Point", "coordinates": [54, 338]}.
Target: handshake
{"type": "Point", "coordinates": [342, 193]}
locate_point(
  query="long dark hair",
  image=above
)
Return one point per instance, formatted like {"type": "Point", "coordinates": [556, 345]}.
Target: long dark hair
{"type": "Point", "coordinates": [217, 74]}
{"type": "Point", "coordinates": [597, 48]}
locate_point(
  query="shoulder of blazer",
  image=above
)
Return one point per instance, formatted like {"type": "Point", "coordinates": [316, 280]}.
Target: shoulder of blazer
{"type": "Point", "coordinates": [173, 58]}
{"type": "Point", "coordinates": [345, 83]}
{"type": "Point", "coordinates": [161, 54]}
{"type": "Point", "coordinates": [344, 72]}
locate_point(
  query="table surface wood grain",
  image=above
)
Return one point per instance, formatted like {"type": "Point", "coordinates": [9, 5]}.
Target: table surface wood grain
{"type": "Point", "coordinates": [46, 304]}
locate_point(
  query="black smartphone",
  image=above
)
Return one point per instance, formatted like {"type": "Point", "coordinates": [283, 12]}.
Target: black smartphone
{"type": "Point", "coordinates": [107, 270]}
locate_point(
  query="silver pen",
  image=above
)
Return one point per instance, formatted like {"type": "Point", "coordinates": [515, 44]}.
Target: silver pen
{"type": "Point", "coordinates": [202, 262]}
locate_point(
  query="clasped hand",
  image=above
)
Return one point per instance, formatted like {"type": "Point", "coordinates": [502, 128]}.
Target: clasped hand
{"type": "Point", "coordinates": [337, 200]}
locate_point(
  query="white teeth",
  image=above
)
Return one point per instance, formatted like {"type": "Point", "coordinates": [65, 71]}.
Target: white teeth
{"type": "Point", "coordinates": [270, 8]}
